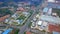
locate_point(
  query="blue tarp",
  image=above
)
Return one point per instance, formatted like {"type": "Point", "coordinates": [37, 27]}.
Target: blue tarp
{"type": "Point", "coordinates": [7, 31]}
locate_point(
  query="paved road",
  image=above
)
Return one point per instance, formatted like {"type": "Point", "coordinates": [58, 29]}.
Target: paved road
{"type": "Point", "coordinates": [10, 26]}
{"type": "Point", "coordinates": [22, 30]}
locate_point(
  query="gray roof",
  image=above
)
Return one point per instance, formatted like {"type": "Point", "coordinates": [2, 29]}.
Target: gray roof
{"type": "Point", "coordinates": [50, 19]}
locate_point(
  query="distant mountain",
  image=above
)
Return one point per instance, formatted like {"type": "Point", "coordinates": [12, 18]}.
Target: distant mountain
{"type": "Point", "coordinates": [17, 0]}
{"type": "Point", "coordinates": [33, 2]}
{"type": "Point", "coordinates": [20, 0]}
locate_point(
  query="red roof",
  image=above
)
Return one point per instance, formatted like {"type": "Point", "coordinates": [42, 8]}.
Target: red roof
{"type": "Point", "coordinates": [54, 28]}
{"type": "Point", "coordinates": [3, 18]}
{"type": "Point", "coordinates": [28, 32]}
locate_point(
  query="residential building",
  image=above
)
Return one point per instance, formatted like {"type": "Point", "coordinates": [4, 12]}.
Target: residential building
{"type": "Point", "coordinates": [51, 19]}
{"type": "Point", "coordinates": [53, 28]}
{"type": "Point", "coordinates": [1, 32]}
{"type": "Point", "coordinates": [56, 32]}
{"type": "Point", "coordinates": [28, 32]}
{"type": "Point", "coordinates": [39, 23]}
{"type": "Point", "coordinates": [20, 9]}
{"type": "Point", "coordinates": [4, 17]}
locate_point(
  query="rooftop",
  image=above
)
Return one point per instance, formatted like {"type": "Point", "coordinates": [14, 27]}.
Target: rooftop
{"type": "Point", "coordinates": [51, 0]}
{"type": "Point", "coordinates": [55, 32]}
{"type": "Point", "coordinates": [28, 32]}
{"type": "Point", "coordinates": [20, 9]}
{"type": "Point", "coordinates": [50, 19]}
{"type": "Point", "coordinates": [52, 28]}
{"type": "Point", "coordinates": [45, 9]}
{"type": "Point", "coordinates": [3, 18]}
{"type": "Point", "coordinates": [39, 22]}
{"type": "Point", "coordinates": [7, 31]}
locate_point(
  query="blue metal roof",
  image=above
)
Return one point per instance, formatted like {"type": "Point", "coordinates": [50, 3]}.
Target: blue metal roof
{"type": "Point", "coordinates": [7, 31]}
{"type": "Point", "coordinates": [55, 32]}
{"type": "Point", "coordinates": [45, 9]}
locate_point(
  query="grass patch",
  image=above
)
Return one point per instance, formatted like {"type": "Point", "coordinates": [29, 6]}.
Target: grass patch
{"type": "Point", "coordinates": [15, 23]}
{"type": "Point", "coordinates": [21, 17]}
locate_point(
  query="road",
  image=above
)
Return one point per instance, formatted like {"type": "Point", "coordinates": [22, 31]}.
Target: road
{"type": "Point", "coordinates": [23, 28]}
{"type": "Point", "coordinates": [13, 26]}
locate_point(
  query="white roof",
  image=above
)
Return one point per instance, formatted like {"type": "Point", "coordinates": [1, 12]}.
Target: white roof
{"type": "Point", "coordinates": [50, 11]}
{"type": "Point", "coordinates": [18, 21]}
{"type": "Point", "coordinates": [6, 20]}
{"type": "Point", "coordinates": [39, 22]}
{"type": "Point", "coordinates": [51, 0]}
{"type": "Point", "coordinates": [0, 32]}
{"type": "Point", "coordinates": [44, 23]}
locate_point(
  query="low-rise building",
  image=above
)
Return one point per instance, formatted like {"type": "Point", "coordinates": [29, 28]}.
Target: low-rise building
{"type": "Point", "coordinates": [7, 31]}
{"type": "Point", "coordinates": [1, 32]}
{"type": "Point", "coordinates": [20, 9]}
{"type": "Point", "coordinates": [50, 19]}
{"type": "Point", "coordinates": [39, 23]}
{"type": "Point", "coordinates": [26, 13]}
{"type": "Point", "coordinates": [4, 17]}
{"type": "Point", "coordinates": [56, 32]}
{"type": "Point", "coordinates": [28, 32]}
{"type": "Point", "coordinates": [53, 28]}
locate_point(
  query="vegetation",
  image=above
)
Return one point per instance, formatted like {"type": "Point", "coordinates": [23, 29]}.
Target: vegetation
{"type": "Point", "coordinates": [21, 17]}
{"type": "Point", "coordinates": [25, 20]}
{"type": "Point", "coordinates": [31, 11]}
{"type": "Point", "coordinates": [5, 11]}
{"type": "Point", "coordinates": [56, 11]}
{"type": "Point", "coordinates": [17, 30]}
{"type": "Point", "coordinates": [4, 4]}
{"type": "Point", "coordinates": [50, 33]}
{"type": "Point", "coordinates": [24, 32]}
{"type": "Point", "coordinates": [14, 31]}
{"type": "Point", "coordinates": [43, 31]}
{"type": "Point", "coordinates": [8, 4]}
{"type": "Point", "coordinates": [30, 24]}
{"type": "Point", "coordinates": [15, 23]}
